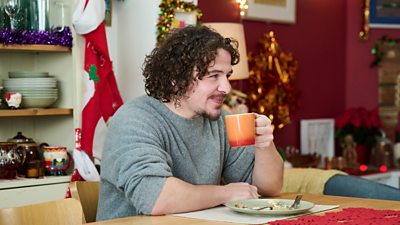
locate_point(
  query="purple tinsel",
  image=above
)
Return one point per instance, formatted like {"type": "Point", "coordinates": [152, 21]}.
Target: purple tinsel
{"type": "Point", "coordinates": [25, 37]}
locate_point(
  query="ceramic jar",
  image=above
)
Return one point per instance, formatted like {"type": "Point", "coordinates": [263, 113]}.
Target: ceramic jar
{"type": "Point", "coordinates": [10, 160]}
{"type": "Point", "coordinates": [57, 160]}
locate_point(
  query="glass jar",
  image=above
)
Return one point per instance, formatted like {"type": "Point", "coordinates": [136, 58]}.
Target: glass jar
{"type": "Point", "coordinates": [39, 15]}
{"type": "Point", "coordinates": [58, 16]}
{"type": "Point", "coordinates": [32, 169]}
{"type": "Point", "coordinates": [382, 152]}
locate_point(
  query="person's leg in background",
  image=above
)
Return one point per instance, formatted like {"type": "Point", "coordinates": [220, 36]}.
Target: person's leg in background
{"type": "Point", "coordinates": [352, 186]}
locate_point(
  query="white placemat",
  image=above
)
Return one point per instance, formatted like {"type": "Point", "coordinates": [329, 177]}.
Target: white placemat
{"type": "Point", "coordinates": [225, 214]}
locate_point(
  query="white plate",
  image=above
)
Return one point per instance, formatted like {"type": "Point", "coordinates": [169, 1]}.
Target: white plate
{"type": "Point", "coordinates": [251, 206]}
{"type": "Point", "coordinates": [25, 74]}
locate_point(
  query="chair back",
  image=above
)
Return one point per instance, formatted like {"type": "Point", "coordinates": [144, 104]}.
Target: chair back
{"type": "Point", "coordinates": [60, 212]}
{"type": "Point", "coordinates": [87, 192]}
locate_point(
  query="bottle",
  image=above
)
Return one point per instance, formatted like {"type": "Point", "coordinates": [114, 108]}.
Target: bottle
{"type": "Point", "coordinates": [396, 147]}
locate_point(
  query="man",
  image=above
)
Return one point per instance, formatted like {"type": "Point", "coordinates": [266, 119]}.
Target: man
{"type": "Point", "coordinates": [168, 152]}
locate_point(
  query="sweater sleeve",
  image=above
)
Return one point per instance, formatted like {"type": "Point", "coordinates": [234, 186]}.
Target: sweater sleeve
{"type": "Point", "coordinates": [134, 160]}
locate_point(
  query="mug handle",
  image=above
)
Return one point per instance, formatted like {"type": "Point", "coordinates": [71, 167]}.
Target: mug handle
{"type": "Point", "coordinates": [42, 145]}
{"type": "Point", "coordinates": [69, 160]}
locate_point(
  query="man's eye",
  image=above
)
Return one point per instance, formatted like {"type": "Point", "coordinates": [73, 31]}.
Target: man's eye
{"type": "Point", "coordinates": [215, 75]}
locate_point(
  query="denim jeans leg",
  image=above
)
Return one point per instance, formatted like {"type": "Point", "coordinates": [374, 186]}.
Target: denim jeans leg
{"type": "Point", "coordinates": [352, 186]}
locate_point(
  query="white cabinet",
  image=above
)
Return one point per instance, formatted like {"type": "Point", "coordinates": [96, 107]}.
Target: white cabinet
{"type": "Point", "coordinates": [54, 126]}
{"type": "Point", "coordinates": [31, 191]}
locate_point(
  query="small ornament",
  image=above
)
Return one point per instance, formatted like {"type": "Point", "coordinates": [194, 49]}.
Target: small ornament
{"type": "Point", "coordinates": [13, 99]}
{"type": "Point", "coordinates": [349, 152]}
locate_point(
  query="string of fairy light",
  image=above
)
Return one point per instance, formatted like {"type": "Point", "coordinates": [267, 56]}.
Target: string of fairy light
{"type": "Point", "coordinates": [242, 6]}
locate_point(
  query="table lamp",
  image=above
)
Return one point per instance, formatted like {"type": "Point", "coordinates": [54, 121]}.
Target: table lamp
{"type": "Point", "coordinates": [235, 31]}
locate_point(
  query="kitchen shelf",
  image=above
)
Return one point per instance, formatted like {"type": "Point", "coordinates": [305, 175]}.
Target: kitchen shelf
{"type": "Point", "coordinates": [36, 112]}
{"type": "Point", "coordinates": [33, 48]}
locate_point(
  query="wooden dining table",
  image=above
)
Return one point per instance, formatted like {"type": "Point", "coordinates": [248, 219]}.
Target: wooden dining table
{"type": "Point", "coordinates": [343, 202]}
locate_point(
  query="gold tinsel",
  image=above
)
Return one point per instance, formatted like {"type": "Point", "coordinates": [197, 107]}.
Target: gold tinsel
{"type": "Point", "coordinates": [272, 75]}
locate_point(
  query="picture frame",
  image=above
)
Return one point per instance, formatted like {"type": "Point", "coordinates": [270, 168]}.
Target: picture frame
{"type": "Point", "coordinates": [108, 16]}
{"type": "Point", "coordinates": [383, 15]}
{"type": "Point", "coordinates": [176, 14]}
{"type": "Point", "coordinates": [283, 11]}
{"type": "Point", "coordinates": [183, 19]}
{"type": "Point", "coordinates": [318, 136]}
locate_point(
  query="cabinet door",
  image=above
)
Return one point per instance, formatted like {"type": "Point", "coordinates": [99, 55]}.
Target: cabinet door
{"type": "Point", "coordinates": [32, 194]}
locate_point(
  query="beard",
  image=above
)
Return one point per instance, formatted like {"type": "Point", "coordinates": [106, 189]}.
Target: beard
{"type": "Point", "coordinates": [215, 112]}
{"type": "Point", "coordinates": [212, 116]}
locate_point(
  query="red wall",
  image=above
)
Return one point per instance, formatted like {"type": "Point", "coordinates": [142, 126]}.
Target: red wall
{"type": "Point", "coordinates": [361, 80]}
{"type": "Point", "coordinates": [334, 71]}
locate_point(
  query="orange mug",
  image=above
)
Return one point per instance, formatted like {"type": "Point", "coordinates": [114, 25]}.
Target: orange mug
{"type": "Point", "coordinates": [240, 129]}
{"type": "Point", "coordinates": [56, 160]}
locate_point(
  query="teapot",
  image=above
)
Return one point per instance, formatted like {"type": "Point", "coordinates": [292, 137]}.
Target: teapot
{"type": "Point", "coordinates": [10, 160]}
{"type": "Point", "coordinates": [33, 156]}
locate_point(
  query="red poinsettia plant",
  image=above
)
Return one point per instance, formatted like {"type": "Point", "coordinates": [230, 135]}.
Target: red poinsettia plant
{"type": "Point", "coordinates": [365, 126]}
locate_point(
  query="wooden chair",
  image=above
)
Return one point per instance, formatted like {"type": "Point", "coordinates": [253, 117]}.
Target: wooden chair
{"type": "Point", "coordinates": [88, 194]}
{"type": "Point", "coordinates": [60, 212]}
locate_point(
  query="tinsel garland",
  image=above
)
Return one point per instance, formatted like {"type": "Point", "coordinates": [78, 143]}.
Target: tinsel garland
{"type": "Point", "coordinates": [379, 51]}
{"type": "Point", "coordinates": [25, 37]}
{"type": "Point", "coordinates": [167, 15]}
{"type": "Point", "coordinates": [272, 75]}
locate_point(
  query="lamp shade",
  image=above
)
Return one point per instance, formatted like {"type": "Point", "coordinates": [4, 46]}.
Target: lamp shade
{"type": "Point", "coordinates": [235, 31]}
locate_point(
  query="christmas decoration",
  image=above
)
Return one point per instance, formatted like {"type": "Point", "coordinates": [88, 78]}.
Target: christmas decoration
{"type": "Point", "coordinates": [272, 75]}
{"type": "Point", "coordinates": [383, 48]}
{"type": "Point", "coordinates": [24, 37]}
{"type": "Point", "coordinates": [101, 98]}
{"type": "Point", "coordinates": [168, 9]}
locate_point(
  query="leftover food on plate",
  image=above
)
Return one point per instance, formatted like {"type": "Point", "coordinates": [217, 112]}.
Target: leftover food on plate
{"type": "Point", "coordinates": [273, 205]}
{"type": "Point", "coordinates": [268, 206]}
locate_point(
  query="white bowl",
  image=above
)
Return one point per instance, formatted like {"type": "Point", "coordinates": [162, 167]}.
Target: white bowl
{"type": "Point", "coordinates": [37, 102]}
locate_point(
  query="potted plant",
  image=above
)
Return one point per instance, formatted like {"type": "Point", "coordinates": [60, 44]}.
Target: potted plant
{"type": "Point", "coordinates": [363, 125]}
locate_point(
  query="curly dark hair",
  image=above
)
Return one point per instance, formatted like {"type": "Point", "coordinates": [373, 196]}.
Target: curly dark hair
{"type": "Point", "coordinates": [168, 70]}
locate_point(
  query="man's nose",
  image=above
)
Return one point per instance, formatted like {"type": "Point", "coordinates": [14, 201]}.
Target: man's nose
{"type": "Point", "coordinates": [224, 85]}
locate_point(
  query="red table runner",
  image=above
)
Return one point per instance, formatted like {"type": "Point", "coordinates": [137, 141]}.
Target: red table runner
{"type": "Point", "coordinates": [353, 216]}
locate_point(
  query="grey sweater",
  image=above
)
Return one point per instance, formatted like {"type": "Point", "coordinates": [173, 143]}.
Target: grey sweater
{"type": "Point", "coordinates": [147, 143]}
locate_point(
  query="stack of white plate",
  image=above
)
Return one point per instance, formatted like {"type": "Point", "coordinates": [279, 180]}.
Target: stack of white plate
{"type": "Point", "coordinates": [38, 89]}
